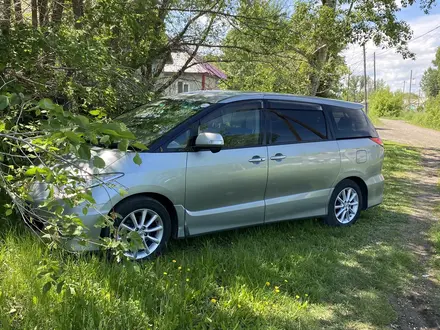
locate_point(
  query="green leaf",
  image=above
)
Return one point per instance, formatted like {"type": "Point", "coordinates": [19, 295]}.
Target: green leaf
{"type": "Point", "coordinates": [126, 135]}
{"type": "Point", "coordinates": [123, 145]}
{"type": "Point", "coordinates": [46, 104]}
{"type": "Point", "coordinates": [60, 287]}
{"type": "Point", "coordinates": [84, 151]}
{"type": "Point", "coordinates": [4, 102]}
{"type": "Point", "coordinates": [139, 146]}
{"type": "Point", "coordinates": [37, 170]}
{"type": "Point", "coordinates": [98, 162]}
{"type": "Point", "coordinates": [47, 287]}
{"type": "Point", "coordinates": [73, 137]}
{"type": "Point", "coordinates": [137, 159]}
{"type": "Point", "coordinates": [8, 212]}
{"type": "Point", "coordinates": [95, 112]}
{"type": "Point", "coordinates": [82, 121]}
{"type": "Point", "coordinates": [105, 139]}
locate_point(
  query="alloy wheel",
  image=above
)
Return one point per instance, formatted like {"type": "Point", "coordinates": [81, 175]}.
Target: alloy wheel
{"type": "Point", "coordinates": [148, 225]}
{"type": "Point", "coordinates": [346, 205]}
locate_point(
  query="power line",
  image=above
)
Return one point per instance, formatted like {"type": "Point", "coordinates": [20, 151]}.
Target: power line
{"type": "Point", "coordinates": [386, 51]}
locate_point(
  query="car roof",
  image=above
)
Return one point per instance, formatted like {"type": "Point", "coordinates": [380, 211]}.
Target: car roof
{"type": "Point", "coordinates": [226, 96]}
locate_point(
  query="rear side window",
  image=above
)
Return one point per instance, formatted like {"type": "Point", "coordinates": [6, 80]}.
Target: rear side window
{"type": "Point", "coordinates": [294, 126]}
{"type": "Point", "coordinates": [351, 123]}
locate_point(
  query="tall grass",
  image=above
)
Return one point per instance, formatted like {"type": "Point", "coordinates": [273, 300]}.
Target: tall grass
{"type": "Point", "coordinates": [428, 116]}
{"type": "Point", "coordinates": [291, 275]}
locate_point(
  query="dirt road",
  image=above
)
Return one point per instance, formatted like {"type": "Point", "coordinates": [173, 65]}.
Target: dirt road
{"type": "Point", "coordinates": [399, 131]}
{"type": "Point", "coordinates": [419, 307]}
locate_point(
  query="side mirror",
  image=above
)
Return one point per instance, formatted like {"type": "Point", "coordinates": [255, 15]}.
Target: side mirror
{"type": "Point", "coordinates": [211, 141]}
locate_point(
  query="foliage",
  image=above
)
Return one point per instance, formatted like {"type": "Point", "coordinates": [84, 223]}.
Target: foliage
{"type": "Point", "coordinates": [428, 116]}
{"type": "Point", "coordinates": [227, 280]}
{"type": "Point", "coordinates": [430, 82]}
{"type": "Point", "coordinates": [384, 103]}
{"type": "Point", "coordinates": [305, 45]}
{"type": "Point", "coordinates": [43, 155]}
{"type": "Point", "coordinates": [354, 91]}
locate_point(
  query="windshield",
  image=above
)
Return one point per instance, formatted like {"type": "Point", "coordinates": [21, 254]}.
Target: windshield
{"type": "Point", "coordinates": [151, 121]}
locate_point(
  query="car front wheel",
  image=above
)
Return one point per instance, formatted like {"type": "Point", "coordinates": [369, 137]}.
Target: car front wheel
{"type": "Point", "coordinates": [145, 225]}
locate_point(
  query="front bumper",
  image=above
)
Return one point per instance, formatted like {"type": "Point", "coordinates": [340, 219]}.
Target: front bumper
{"type": "Point", "coordinates": [89, 221]}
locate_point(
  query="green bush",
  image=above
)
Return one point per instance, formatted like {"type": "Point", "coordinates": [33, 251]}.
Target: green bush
{"type": "Point", "coordinates": [428, 116]}
{"type": "Point", "coordinates": [384, 103]}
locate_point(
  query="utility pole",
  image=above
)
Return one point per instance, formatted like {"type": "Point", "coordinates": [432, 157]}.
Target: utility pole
{"type": "Point", "coordinates": [374, 61]}
{"type": "Point", "coordinates": [418, 101]}
{"type": "Point", "coordinates": [403, 91]}
{"type": "Point", "coordinates": [348, 87]}
{"type": "Point", "coordinates": [365, 81]}
{"type": "Point", "coordinates": [410, 83]}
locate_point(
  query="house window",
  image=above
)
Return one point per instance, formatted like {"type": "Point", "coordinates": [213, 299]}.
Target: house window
{"type": "Point", "coordinates": [181, 87]}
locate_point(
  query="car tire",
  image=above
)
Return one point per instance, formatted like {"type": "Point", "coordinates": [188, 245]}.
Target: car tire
{"type": "Point", "coordinates": [345, 204]}
{"type": "Point", "coordinates": [150, 219]}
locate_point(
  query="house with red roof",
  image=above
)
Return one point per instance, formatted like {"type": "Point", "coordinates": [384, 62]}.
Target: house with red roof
{"type": "Point", "coordinates": [199, 75]}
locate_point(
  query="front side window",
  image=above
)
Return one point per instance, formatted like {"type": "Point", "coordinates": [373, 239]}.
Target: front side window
{"type": "Point", "coordinates": [239, 124]}
{"type": "Point", "coordinates": [295, 126]}
{"type": "Point", "coordinates": [151, 121]}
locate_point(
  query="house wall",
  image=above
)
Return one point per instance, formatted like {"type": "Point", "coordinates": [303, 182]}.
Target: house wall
{"type": "Point", "coordinates": [193, 80]}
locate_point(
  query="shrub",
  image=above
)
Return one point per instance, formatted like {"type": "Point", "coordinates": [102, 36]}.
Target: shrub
{"type": "Point", "coordinates": [384, 103]}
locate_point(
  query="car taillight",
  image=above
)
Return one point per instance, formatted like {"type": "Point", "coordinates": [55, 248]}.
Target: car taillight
{"type": "Point", "coordinates": [378, 140]}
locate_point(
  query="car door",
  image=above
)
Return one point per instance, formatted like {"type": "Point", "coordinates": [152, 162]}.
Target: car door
{"type": "Point", "coordinates": [226, 189]}
{"type": "Point", "coordinates": [303, 161]}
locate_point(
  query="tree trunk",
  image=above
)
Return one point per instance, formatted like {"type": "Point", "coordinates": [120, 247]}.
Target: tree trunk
{"type": "Point", "coordinates": [315, 76]}
{"type": "Point", "coordinates": [34, 9]}
{"type": "Point", "coordinates": [320, 56]}
{"type": "Point", "coordinates": [42, 6]}
{"type": "Point", "coordinates": [78, 11]}
{"type": "Point", "coordinates": [18, 12]}
{"type": "Point", "coordinates": [57, 11]}
{"type": "Point", "coordinates": [6, 21]}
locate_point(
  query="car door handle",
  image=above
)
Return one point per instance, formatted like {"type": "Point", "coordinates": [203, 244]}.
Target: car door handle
{"type": "Point", "coordinates": [257, 159]}
{"type": "Point", "coordinates": [278, 157]}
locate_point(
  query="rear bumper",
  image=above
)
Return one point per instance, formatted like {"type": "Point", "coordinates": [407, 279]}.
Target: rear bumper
{"type": "Point", "coordinates": [375, 187]}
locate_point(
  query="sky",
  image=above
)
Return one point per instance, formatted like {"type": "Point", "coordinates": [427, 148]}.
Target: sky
{"type": "Point", "coordinates": [390, 66]}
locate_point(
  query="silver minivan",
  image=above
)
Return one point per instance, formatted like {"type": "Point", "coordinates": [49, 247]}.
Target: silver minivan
{"type": "Point", "coordinates": [220, 160]}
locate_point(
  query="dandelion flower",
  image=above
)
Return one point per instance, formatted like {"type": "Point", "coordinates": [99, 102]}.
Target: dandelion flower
{"type": "Point", "coordinates": [174, 260]}
{"type": "Point", "coordinates": [267, 283]}
{"type": "Point", "coordinates": [277, 290]}
{"type": "Point", "coordinates": [187, 279]}
{"type": "Point", "coordinates": [297, 297]}
{"type": "Point", "coordinates": [179, 268]}
{"type": "Point", "coordinates": [165, 273]}
{"type": "Point", "coordinates": [213, 300]}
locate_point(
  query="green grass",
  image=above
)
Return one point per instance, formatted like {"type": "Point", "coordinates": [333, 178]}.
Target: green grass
{"type": "Point", "coordinates": [434, 236]}
{"type": "Point", "coordinates": [421, 119]}
{"type": "Point", "coordinates": [327, 277]}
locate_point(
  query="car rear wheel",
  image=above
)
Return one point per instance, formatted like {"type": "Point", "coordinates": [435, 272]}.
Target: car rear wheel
{"type": "Point", "coordinates": [145, 225]}
{"type": "Point", "coordinates": [345, 204]}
